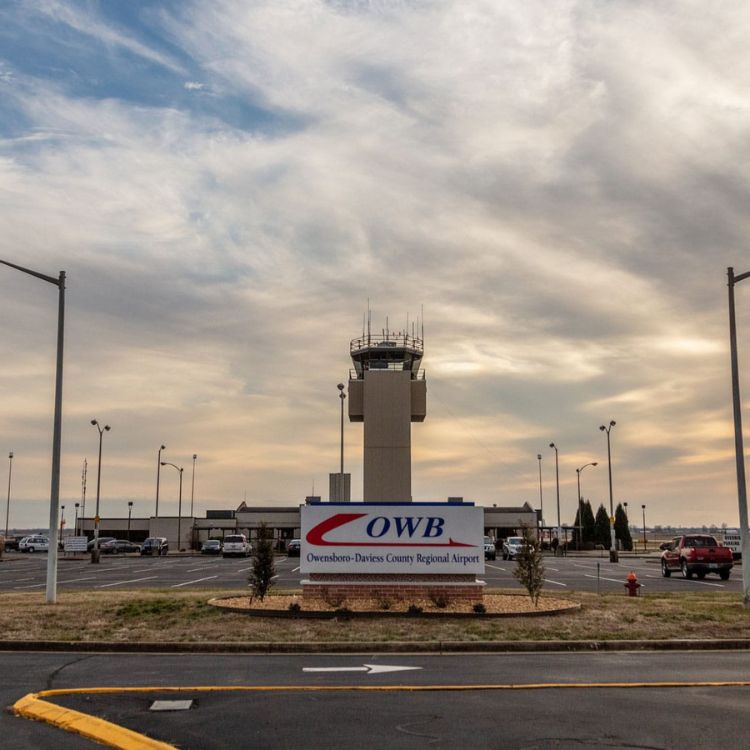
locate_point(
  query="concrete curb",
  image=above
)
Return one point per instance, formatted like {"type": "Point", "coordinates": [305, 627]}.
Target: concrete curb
{"type": "Point", "coordinates": [373, 647]}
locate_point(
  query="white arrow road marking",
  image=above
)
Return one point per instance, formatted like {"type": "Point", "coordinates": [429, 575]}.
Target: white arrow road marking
{"type": "Point", "coordinates": [369, 668]}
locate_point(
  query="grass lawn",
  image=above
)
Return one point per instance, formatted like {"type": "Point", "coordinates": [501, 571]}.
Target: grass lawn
{"type": "Point", "coordinates": [161, 615]}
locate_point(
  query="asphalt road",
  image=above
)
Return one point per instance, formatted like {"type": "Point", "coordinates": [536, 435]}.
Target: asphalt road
{"type": "Point", "coordinates": [24, 572]}
{"type": "Point", "coordinates": [309, 715]}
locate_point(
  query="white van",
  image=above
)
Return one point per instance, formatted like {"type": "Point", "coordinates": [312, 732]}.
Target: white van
{"type": "Point", "coordinates": [236, 544]}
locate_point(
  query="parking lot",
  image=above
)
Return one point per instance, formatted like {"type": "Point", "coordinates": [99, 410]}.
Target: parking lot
{"type": "Point", "coordinates": [24, 572]}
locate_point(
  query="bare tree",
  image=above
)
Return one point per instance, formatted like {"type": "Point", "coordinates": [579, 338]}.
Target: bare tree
{"type": "Point", "coordinates": [529, 570]}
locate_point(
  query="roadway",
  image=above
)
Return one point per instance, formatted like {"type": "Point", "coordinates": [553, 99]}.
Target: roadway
{"type": "Point", "coordinates": [449, 701]}
{"type": "Point", "coordinates": [24, 572]}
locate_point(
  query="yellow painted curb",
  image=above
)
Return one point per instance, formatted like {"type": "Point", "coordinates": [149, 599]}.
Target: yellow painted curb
{"type": "Point", "coordinates": [91, 727]}
{"type": "Point", "coordinates": [32, 706]}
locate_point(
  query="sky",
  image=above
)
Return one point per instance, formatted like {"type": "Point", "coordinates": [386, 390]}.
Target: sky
{"type": "Point", "coordinates": [559, 185]}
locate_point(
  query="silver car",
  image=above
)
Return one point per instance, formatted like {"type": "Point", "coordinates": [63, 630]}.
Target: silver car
{"type": "Point", "coordinates": [512, 546]}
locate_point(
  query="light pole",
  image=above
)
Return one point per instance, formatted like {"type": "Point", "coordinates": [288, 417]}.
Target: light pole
{"type": "Point", "coordinates": [613, 556]}
{"type": "Point", "coordinates": [84, 472]}
{"type": "Point", "coordinates": [557, 483]}
{"type": "Point", "coordinates": [192, 488]}
{"type": "Point", "coordinates": [627, 520]}
{"type": "Point", "coordinates": [62, 520]}
{"type": "Point", "coordinates": [179, 507]}
{"type": "Point", "coordinates": [159, 464]}
{"type": "Point", "coordinates": [738, 447]}
{"type": "Point", "coordinates": [541, 499]}
{"type": "Point", "coordinates": [644, 527]}
{"type": "Point", "coordinates": [102, 430]}
{"type": "Point", "coordinates": [75, 522]}
{"type": "Point", "coordinates": [130, 510]}
{"type": "Point", "coordinates": [342, 396]}
{"type": "Point", "coordinates": [580, 502]}
{"type": "Point", "coordinates": [54, 499]}
{"type": "Point", "coordinates": [7, 507]}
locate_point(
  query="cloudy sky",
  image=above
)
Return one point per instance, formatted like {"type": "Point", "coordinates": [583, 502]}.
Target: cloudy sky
{"type": "Point", "coordinates": [561, 184]}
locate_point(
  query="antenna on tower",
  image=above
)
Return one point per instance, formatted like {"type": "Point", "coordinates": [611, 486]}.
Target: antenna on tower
{"type": "Point", "coordinates": [386, 328]}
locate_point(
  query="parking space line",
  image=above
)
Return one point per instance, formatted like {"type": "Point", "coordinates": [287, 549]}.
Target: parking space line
{"type": "Point", "coordinates": [297, 568]}
{"type": "Point", "coordinates": [604, 578]}
{"type": "Point", "coordinates": [202, 567]}
{"type": "Point", "coordinates": [197, 580]}
{"type": "Point", "coordinates": [119, 583]}
{"type": "Point", "coordinates": [242, 570]}
{"type": "Point", "coordinates": [557, 583]}
{"type": "Point", "coordinates": [486, 565]}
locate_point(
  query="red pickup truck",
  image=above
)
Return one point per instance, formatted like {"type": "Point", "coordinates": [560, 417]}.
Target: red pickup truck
{"type": "Point", "coordinates": [696, 554]}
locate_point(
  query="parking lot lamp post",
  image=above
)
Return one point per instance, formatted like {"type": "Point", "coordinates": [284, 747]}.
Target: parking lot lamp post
{"type": "Point", "coordinates": [7, 507]}
{"type": "Point", "coordinates": [738, 446]}
{"type": "Point", "coordinates": [102, 430]}
{"type": "Point", "coordinates": [159, 464]}
{"type": "Point", "coordinates": [541, 499]}
{"type": "Point", "coordinates": [179, 506]}
{"type": "Point", "coordinates": [130, 510]}
{"type": "Point", "coordinates": [75, 522]}
{"type": "Point", "coordinates": [192, 485]}
{"type": "Point", "coordinates": [613, 556]}
{"type": "Point", "coordinates": [644, 527]}
{"type": "Point", "coordinates": [557, 483]}
{"type": "Point", "coordinates": [54, 499]}
{"type": "Point", "coordinates": [62, 520]}
{"type": "Point", "coordinates": [580, 502]}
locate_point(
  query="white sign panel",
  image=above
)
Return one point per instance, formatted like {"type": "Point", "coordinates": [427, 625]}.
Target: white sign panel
{"type": "Point", "coordinates": [75, 543]}
{"type": "Point", "coordinates": [392, 538]}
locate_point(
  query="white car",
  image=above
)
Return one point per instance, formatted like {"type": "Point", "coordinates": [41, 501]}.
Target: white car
{"type": "Point", "coordinates": [236, 544]}
{"type": "Point", "coordinates": [512, 546]}
{"type": "Point", "coordinates": [34, 544]}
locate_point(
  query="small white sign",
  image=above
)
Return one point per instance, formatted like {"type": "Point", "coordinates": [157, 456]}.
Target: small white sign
{"type": "Point", "coordinates": [75, 544]}
{"type": "Point", "coordinates": [392, 538]}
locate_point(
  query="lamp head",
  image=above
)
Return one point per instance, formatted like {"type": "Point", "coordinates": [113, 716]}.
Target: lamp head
{"type": "Point", "coordinates": [163, 448]}
{"type": "Point", "coordinates": [539, 456]}
{"type": "Point", "coordinates": [612, 423]}
{"type": "Point", "coordinates": [644, 507]}
{"type": "Point", "coordinates": [195, 455]}
{"type": "Point", "coordinates": [93, 421]}
{"type": "Point", "coordinates": [78, 505]}
{"type": "Point", "coordinates": [602, 427]}
{"type": "Point", "coordinates": [107, 427]}
{"type": "Point", "coordinates": [340, 386]}
{"type": "Point", "coordinates": [552, 445]}
{"type": "Point", "coordinates": [130, 503]}
{"type": "Point", "coordinates": [163, 463]}
{"type": "Point", "coordinates": [10, 455]}
{"type": "Point", "coordinates": [595, 463]}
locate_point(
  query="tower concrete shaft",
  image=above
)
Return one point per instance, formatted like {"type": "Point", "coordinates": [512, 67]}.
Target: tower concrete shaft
{"type": "Point", "coordinates": [387, 391]}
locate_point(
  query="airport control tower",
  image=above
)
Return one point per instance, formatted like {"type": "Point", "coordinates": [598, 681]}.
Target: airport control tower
{"type": "Point", "coordinates": [387, 391]}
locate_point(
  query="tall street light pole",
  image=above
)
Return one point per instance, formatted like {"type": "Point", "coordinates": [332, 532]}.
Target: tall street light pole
{"type": "Point", "coordinates": [130, 511]}
{"type": "Point", "coordinates": [102, 430]}
{"type": "Point", "coordinates": [159, 464]}
{"type": "Point", "coordinates": [541, 499]}
{"type": "Point", "coordinates": [342, 396]}
{"type": "Point", "coordinates": [644, 527]}
{"type": "Point", "coordinates": [192, 487]}
{"type": "Point", "coordinates": [580, 502]}
{"type": "Point", "coordinates": [738, 446]}
{"type": "Point", "coordinates": [83, 490]}
{"type": "Point", "coordinates": [179, 507]}
{"type": "Point", "coordinates": [54, 500]}
{"type": "Point", "coordinates": [75, 522]}
{"type": "Point", "coordinates": [62, 520]}
{"type": "Point", "coordinates": [557, 483]}
{"type": "Point", "coordinates": [7, 506]}
{"type": "Point", "coordinates": [613, 556]}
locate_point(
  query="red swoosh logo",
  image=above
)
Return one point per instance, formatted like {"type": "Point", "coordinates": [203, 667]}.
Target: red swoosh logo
{"type": "Point", "coordinates": [316, 534]}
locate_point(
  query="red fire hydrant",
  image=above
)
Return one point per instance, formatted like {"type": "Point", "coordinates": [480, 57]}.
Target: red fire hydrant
{"type": "Point", "coordinates": [632, 584]}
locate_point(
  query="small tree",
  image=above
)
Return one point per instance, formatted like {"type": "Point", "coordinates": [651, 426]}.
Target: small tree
{"type": "Point", "coordinates": [263, 569]}
{"type": "Point", "coordinates": [622, 528]}
{"type": "Point", "coordinates": [529, 571]}
{"type": "Point", "coordinates": [601, 528]}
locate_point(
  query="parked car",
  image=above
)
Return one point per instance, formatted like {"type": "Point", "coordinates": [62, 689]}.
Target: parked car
{"type": "Point", "coordinates": [696, 554]}
{"type": "Point", "coordinates": [117, 546]}
{"type": "Point", "coordinates": [490, 553]}
{"type": "Point", "coordinates": [294, 547]}
{"type": "Point", "coordinates": [13, 541]}
{"type": "Point", "coordinates": [211, 547]}
{"type": "Point", "coordinates": [34, 544]}
{"type": "Point", "coordinates": [155, 545]}
{"type": "Point", "coordinates": [102, 541]}
{"type": "Point", "coordinates": [512, 546]}
{"type": "Point", "coordinates": [236, 544]}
